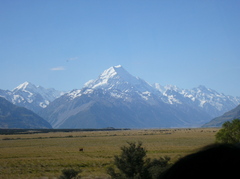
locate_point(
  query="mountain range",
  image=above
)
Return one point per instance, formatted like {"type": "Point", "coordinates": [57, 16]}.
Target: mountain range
{"type": "Point", "coordinates": [118, 99]}
{"type": "Point", "coordinates": [209, 100]}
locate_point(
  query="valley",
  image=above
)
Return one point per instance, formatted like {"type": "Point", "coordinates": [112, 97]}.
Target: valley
{"type": "Point", "coordinates": [83, 80]}
{"type": "Point", "coordinates": [44, 155]}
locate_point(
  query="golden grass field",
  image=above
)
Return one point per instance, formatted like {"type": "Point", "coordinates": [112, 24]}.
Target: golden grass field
{"type": "Point", "coordinates": [44, 155]}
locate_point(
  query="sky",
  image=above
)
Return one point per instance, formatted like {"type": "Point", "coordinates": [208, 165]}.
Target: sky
{"type": "Point", "coordinates": [63, 44]}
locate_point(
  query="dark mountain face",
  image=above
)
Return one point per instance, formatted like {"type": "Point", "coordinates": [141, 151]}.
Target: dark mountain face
{"type": "Point", "coordinates": [100, 110]}
{"type": "Point", "coordinates": [228, 116]}
{"type": "Point", "coordinates": [12, 116]}
{"type": "Point", "coordinates": [117, 99]}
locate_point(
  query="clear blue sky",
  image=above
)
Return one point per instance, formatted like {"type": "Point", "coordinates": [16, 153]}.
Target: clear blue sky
{"type": "Point", "coordinates": [63, 44]}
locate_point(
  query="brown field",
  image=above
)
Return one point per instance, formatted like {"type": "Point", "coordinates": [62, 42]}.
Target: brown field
{"type": "Point", "coordinates": [45, 155]}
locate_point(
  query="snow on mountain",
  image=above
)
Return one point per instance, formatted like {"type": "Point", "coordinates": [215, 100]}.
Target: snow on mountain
{"type": "Point", "coordinates": [122, 84]}
{"type": "Point", "coordinates": [117, 80]}
{"type": "Point", "coordinates": [48, 94]}
{"type": "Point", "coordinates": [209, 100]}
{"type": "Point", "coordinates": [30, 96]}
{"type": "Point", "coordinates": [118, 99]}
{"type": "Point", "coordinates": [13, 116]}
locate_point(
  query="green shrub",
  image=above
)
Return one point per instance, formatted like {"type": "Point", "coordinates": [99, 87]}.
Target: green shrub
{"type": "Point", "coordinates": [133, 164]}
{"type": "Point", "coordinates": [230, 132]}
{"type": "Point", "coordinates": [158, 166]}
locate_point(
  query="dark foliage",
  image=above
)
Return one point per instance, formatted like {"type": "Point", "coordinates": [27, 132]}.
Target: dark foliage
{"type": "Point", "coordinates": [36, 131]}
{"type": "Point", "coordinates": [214, 161]}
{"type": "Point", "coordinates": [230, 132]}
{"type": "Point", "coordinates": [133, 164]}
{"type": "Point", "coordinates": [158, 166]}
{"type": "Point", "coordinates": [69, 174]}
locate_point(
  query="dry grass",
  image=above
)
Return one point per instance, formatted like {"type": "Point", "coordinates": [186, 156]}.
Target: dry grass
{"type": "Point", "coordinates": [45, 155]}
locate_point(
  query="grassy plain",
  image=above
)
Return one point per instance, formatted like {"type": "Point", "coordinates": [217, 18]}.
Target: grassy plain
{"type": "Point", "coordinates": [44, 155]}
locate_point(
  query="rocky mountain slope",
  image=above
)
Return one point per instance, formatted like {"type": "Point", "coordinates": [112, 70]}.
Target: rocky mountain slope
{"type": "Point", "coordinates": [12, 116]}
{"type": "Point", "coordinates": [30, 96]}
{"type": "Point", "coordinates": [228, 116]}
{"type": "Point", "coordinates": [118, 99]}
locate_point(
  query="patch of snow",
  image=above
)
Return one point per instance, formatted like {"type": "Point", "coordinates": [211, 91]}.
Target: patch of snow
{"type": "Point", "coordinates": [172, 100]}
{"type": "Point", "coordinates": [42, 105]}
{"type": "Point", "coordinates": [202, 103]}
{"type": "Point", "coordinates": [17, 99]}
{"type": "Point", "coordinates": [145, 95]}
{"type": "Point", "coordinates": [88, 91]}
{"type": "Point", "coordinates": [88, 84]}
{"type": "Point", "coordinates": [74, 94]}
{"type": "Point", "coordinates": [116, 95]}
{"type": "Point", "coordinates": [22, 86]}
{"type": "Point", "coordinates": [29, 100]}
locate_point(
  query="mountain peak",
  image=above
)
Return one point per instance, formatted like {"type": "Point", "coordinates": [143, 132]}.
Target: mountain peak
{"type": "Point", "coordinates": [117, 78]}
{"type": "Point", "coordinates": [110, 72]}
{"type": "Point", "coordinates": [24, 86]}
{"type": "Point", "coordinates": [31, 96]}
{"type": "Point", "coordinates": [202, 87]}
{"type": "Point", "coordinates": [115, 72]}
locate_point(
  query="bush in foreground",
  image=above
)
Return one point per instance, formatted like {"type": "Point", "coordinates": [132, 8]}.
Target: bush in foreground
{"type": "Point", "coordinates": [69, 174]}
{"type": "Point", "coordinates": [230, 132]}
{"type": "Point", "coordinates": [132, 163]}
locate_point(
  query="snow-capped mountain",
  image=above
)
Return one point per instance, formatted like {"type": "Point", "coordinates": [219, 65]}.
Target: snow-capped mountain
{"type": "Point", "coordinates": [118, 99]}
{"type": "Point", "coordinates": [212, 102]}
{"type": "Point", "coordinates": [119, 83]}
{"type": "Point", "coordinates": [117, 78]}
{"type": "Point", "coordinates": [30, 96]}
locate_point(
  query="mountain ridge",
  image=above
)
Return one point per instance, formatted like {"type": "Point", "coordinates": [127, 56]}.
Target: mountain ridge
{"type": "Point", "coordinates": [116, 90]}
{"type": "Point", "coordinates": [228, 116]}
{"type": "Point", "coordinates": [206, 98]}
{"type": "Point", "coordinates": [30, 96]}
{"type": "Point", "coordinates": [12, 116]}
